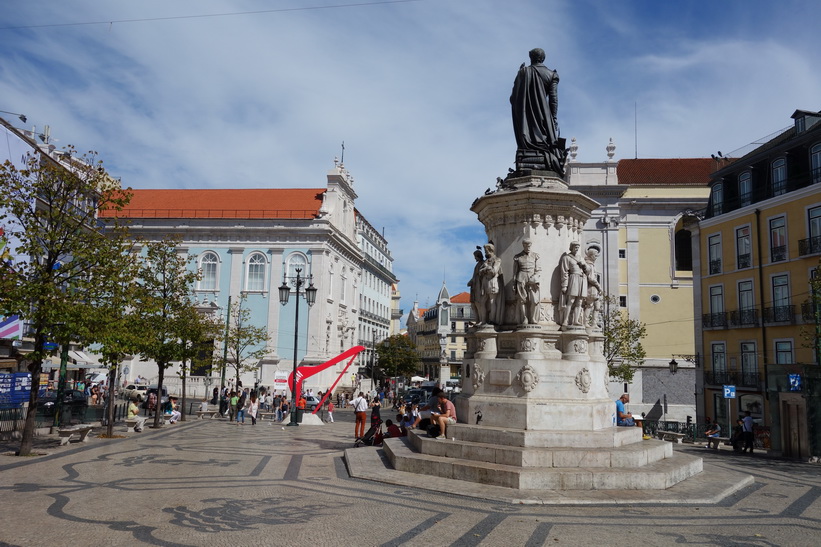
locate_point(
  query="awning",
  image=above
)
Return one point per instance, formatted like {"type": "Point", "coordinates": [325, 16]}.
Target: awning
{"type": "Point", "coordinates": [80, 358]}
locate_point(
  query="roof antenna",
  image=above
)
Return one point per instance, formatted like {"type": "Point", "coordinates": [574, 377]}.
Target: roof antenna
{"type": "Point", "coordinates": [636, 127]}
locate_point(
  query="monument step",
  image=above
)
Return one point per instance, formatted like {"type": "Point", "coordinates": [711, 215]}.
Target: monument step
{"type": "Point", "coordinates": [610, 437]}
{"type": "Point", "coordinates": [629, 456]}
{"type": "Point", "coordinates": [654, 476]}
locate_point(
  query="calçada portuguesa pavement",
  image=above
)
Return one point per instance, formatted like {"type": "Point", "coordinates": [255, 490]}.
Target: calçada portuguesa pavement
{"type": "Point", "coordinates": [208, 482]}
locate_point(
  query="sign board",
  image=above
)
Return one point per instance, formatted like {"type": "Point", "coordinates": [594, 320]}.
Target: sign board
{"type": "Point", "coordinates": [280, 380]}
{"type": "Point", "coordinates": [50, 346]}
{"type": "Point", "coordinates": [729, 392]}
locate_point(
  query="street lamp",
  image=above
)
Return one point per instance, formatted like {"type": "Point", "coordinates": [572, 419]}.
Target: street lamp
{"type": "Point", "coordinates": [310, 297]}
{"type": "Point", "coordinates": [673, 366]}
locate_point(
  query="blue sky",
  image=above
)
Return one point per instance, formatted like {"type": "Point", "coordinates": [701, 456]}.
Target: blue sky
{"type": "Point", "coordinates": [418, 90]}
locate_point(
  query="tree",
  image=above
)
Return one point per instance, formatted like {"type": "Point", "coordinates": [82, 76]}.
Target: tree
{"type": "Point", "coordinates": [246, 343]}
{"type": "Point", "coordinates": [61, 263]}
{"type": "Point", "coordinates": [622, 341]}
{"type": "Point", "coordinates": [162, 297]}
{"type": "Point", "coordinates": [398, 356]}
{"type": "Point", "coordinates": [197, 333]}
{"type": "Point", "coordinates": [812, 307]}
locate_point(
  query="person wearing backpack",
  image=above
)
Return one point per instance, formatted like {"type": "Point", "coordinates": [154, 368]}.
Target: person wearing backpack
{"type": "Point", "coordinates": [241, 408]}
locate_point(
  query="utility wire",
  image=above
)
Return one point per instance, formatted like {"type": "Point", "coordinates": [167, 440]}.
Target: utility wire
{"type": "Point", "coordinates": [203, 16]}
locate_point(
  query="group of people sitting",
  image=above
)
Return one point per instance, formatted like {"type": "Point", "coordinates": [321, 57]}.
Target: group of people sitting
{"type": "Point", "coordinates": [438, 411]}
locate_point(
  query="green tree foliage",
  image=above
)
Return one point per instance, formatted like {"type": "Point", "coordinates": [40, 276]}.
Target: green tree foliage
{"type": "Point", "coordinates": [246, 343]}
{"type": "Point", "coordinates": [197, 331]}
{"type": "Point", "coordinates": [398, 356]}
{"type": "Point", "coordinates": [623, 350]}
{"type": "Point", "coordinates": [162, 298]}
{"type": "Point", "coordinates": [812, 335]}
{"type": "Point", "coordinates": [62, 264]}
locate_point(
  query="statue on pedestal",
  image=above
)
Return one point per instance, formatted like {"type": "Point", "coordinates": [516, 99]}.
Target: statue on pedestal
{"type": "Point", "coordinates": [592, 302]}
{"type": "Point", "coordinates": [526, 270]}
{"type": "Point", "coordinates": [534, 104]}
{"type": "Point", "coordinates": [475, 285]}
{"type": "Point", "coordinates": [574, 286]}
{"type": "Point", "coordinates": [485, 287]}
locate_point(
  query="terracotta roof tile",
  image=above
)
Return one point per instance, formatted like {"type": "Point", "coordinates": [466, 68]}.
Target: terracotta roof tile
{"type": "Point", "coordinates": [461, 298]}
{"type": "Point", "coordinates": [682, 171]}
{"type": "Point", "coordinates": [296, 203]}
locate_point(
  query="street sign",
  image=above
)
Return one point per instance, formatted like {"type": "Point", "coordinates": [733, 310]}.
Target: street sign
{"type": "Point", "coordinates": [729, 392]}
{"type": "Point", "coordinates": [50, 346]}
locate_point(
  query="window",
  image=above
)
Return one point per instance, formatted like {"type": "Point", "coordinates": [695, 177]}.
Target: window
{"type": "Point", "coordinates": [622, 253]}
{"type": "Point", "coordinates": [778, 239]}
{"type": "Point", "coordinates": [815, 160]}
{"type": "Point", "coordinates": [331, 281]}
{"type": "Point", "coordinates": [343, 289]}
{"type": "Point", "coordinates": [745, 188]}
{"type": "Point", "coordinates": [717, 199]}
{"type": "Point", "coordinates": [453, 326]}
{"type": "Point", "coordinates": [208, 267]}
{"type": "Point", "coordinates": [783, 352]}
{"type": "Point", "coordinates": [296, 260]}
{"type": "Point", "coordinates": [622, 301]}
{"type": "Point", "coordinates": [452, 355]}
{"type": "Point", "coordinates": [743, 248]}
{"type": "Point", "coordinates": [779, 176]}
{"type": "Point", "coordinates": [255, 278]}
{"type": "Point", "coordinates": [719, 358]}
{"type": "Point", "coordinates": [714, 249]}
{"type": "Point", "coordinates": [717, 299]}
{"type": "Point", "coordinates": [749, 364]}
{"type": "Point", "coordinates": [812, 245]}
{"type": "Point", "coordinates": [684, 251]}
{"type": "Point", "coordinates": [745, 295]}
{"type": "Point", "coordinates": [781, 290]}
{"type": "Point", "coordinates": [452, 339]}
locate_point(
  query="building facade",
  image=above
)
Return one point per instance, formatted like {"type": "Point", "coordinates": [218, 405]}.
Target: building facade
{"type": "Point", "coordinates": [248, 242]}
{"type": "Point", "coordinates": [439, 335]}
{"type": "Point", "coordinates": [756, 252]}
{"type": "Point", "coordinates": [645, 266]}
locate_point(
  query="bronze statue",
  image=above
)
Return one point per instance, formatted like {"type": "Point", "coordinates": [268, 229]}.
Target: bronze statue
{"type": "Point", "coordinates": [534, 104]}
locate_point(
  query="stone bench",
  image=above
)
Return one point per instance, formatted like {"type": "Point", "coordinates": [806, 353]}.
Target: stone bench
{"type": "Point", "coordinates": [210, 413]}
{"type": "Point", "coordinates": [670, 436]}
{"type": "Point", "coordinates": [712, 442]}
{"type": "Point", "coordinates": [130, 424]}
{"type": "Point", "coordinates": [66, 433]}
{"type": "Point", "coordinates": [270, 415]}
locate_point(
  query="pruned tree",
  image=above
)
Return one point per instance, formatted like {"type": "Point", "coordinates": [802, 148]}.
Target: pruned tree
{"type": "Point", "coordinates": [398, 356]}
{"type": "Point", "coordinates": [623, 350]}
{"type": "Point", "coordinates": [246, 343]}
{"type": "Point", "coordinates": [197, 331]}
{"type": "Point", "coordinates": [162, 296]}
{"type": "Point", "coordinates": [61, 263]}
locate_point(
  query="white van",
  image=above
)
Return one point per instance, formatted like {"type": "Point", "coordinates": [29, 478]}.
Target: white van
{"type": "Point", "coordinates": [97, 377]}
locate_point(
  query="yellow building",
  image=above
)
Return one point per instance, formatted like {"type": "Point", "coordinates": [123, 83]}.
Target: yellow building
{"type": "Point", "coordinates": [645, 263]}
{"type": "Point", "coordinates": [755, 252]}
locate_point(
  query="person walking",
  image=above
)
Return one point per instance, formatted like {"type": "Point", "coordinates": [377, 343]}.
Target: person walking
{"type": "Point", "coordinates": [330, 412]}
{"type": "Point", "coordinates": [747, 433]}
{"type": "Point", "coordinates": [360, 407]}
{"type": "Point", "coordinates": [241, 400]}
{"type": "Point", "coordinates": [253, 408]}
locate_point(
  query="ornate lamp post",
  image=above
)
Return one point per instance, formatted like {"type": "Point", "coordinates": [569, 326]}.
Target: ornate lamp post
{"type": "Point", "coordinates": [310, 297]}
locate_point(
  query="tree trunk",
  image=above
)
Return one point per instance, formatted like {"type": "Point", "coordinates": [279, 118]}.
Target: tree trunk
{"type": "Point", "coordinates": [160, 377]}
{"type": "Point", "coordinates": [27, 440]}
{"type": "Point", "coordinates": [112, 377]}
{"type": "Point", "coordinates": [182, 407]}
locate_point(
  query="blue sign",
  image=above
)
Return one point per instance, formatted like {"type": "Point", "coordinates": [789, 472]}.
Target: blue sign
{"type": "Point", "coordinates": [729, 392]}
{"type": "Point", "coordinates": [50, 346]}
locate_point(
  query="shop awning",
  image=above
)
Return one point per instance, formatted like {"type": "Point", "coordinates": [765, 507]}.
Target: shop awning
{"type": "Point", "coordinates": [79, 358]}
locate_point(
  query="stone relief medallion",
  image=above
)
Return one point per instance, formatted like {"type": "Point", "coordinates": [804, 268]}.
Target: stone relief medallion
{"type": "Point", "coordinates": [528, 377]}
{"type": "Point", "coordinates": [580, 346]}
{"type": "Point", "coordinates": [530, 344]}
{"type": "Point", "coordinates": [583, 380]}
{"type": "Point", "coordinates": [478, 376]}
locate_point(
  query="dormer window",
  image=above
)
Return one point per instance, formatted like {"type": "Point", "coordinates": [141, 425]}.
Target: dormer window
{"type": "Point", "coordinates": [800, 124]}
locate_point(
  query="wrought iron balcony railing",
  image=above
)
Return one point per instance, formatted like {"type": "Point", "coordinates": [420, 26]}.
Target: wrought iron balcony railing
{"type": "Point", "coordinates": [810, 311]}
{"type": "Point", "coordinates": [714, 320]}
{"type": "Point", "coordinates": [715, 266]}
{"type": "Point", "coordinates": [744, 318]}
{"type": "Point", "coordinates": [744, 261]}
{"type": "Point", "coordinates": [779, 314]}
{"type": "Point", "coordinates": [809, 246]}
{"type": "Point", "coordinates": [778, 254]}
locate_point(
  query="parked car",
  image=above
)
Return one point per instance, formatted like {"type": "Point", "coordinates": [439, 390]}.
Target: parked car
{"type": "Point", "coordinates": [135, 389]}
{"type": "Point", "coordinates": [311, 402]}
{"type": "Point", "coordinates": [418, 396]}
{"type": "Point", "coordinates": [75, 403]}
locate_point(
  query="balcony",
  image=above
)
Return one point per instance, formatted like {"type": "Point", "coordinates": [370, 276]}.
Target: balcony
{"type": "Point", "coordinates": [779, 314]}
{"type": "Point", "coordinates": [809, 246]}
{"type": "Point", "coordinates": [715, 266]}
{"type": "Point", "coordinates": [778, 254]}
{"type": "Point", "coordinates": [720, 378]}
{"type": "Point", "coordinates": [744, 261]}
{"type": "Point", "coordinates": [732, 203]}
{"type": "Point", "coordinates": [714, 320]}
{"type": "Point", "coordinates": [744, 318]}
{"type": "Point", "coordinates": [748, 379]}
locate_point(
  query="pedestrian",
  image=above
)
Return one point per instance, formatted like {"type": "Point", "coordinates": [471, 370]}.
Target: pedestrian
{"type": "Point", "coordinates": [283, 409]}
{"type": "Point", "coordinates": [748, 432]}
{"type": "Point", "coordinates": [330, 412]}
{"type": "Point", "coordinates": [376, 417]}
{"type": "Point", "coordinates": [241, 400]}
{"type": "Point", "coordinates": [233, 399]}
{"type": "Point", "coordinates": [360, 406]}
{"type": "Point", "coordinates": [253, 408]}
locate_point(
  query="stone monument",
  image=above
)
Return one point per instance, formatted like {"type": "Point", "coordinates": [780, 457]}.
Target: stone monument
{"type": "Point", "coordinates": [534, 412]}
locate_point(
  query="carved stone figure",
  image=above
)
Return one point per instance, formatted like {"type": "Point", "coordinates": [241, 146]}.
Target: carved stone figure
{"type": "Point", "coordinates": [491, 297]}
{"type": "Point", "coordinates": [526, 270]}
{"type": "Point", "coordinates": [475, 285]}
{"type": "Point", "coordinates": [574, 286]}
{"type": "Point", "coordinates": [534, 104]}
{"type": "Point", "coordinates": [592, 302]}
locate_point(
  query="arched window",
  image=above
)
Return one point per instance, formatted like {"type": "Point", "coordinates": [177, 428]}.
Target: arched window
{"type": "Point", "coordinates": [297, 260]}
{"type": "Point", "coordinates": [255, 277]}
{"type": "Point", "coordinates": [745, 188]}
{"type": "Point", "coordinates": [717, 199]}
{"type": "Point", "coordinates": [684, 251]}
{"type": "Point", "coordinates": [208, 267]}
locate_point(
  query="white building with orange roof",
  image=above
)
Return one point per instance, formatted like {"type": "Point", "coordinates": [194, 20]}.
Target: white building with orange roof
{"type": "Point", "coordinates": [246, 242]}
